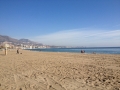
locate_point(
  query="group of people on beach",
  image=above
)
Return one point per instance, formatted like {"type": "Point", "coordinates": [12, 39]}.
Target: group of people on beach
{"type": "Point", "coordinates": [82, 51]}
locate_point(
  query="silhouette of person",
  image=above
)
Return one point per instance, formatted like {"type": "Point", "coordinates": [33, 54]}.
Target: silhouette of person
{"type": "Point", "coordinates": [17, 51]}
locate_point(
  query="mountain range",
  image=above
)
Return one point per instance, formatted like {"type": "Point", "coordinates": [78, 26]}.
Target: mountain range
{"type": "Point", "coordinates": [4, 38]}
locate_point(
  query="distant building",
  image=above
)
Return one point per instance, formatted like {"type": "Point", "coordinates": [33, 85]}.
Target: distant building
{"type": "Point", "coordinates": [30, 47]}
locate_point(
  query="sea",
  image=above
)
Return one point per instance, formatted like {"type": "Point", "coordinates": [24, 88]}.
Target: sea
{"type": "Point", "coordinates": [97, 50]}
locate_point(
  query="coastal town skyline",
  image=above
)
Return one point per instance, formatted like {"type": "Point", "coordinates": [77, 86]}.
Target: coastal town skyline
{"type": "Point", "coordinates": [62, 22]}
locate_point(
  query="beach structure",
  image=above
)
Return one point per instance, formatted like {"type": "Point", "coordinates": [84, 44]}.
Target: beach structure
{"type": "Point", "coordinates": [5, 46]}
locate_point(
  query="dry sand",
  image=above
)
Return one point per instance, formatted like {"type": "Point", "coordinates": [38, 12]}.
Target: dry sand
{"type": "Point", "coordinates": [59, 71]}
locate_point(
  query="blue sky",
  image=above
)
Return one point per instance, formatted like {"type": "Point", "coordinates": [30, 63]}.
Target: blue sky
{"type": "Point", "coordinates": [62, 22]}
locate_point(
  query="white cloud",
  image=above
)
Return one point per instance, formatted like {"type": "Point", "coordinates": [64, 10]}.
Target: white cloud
{"type": "Point", "coordinates": [81, 37]}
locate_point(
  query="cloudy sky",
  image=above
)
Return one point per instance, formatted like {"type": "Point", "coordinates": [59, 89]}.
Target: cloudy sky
{"type": "Point", "coordinates": [79, 37]}
{"type": "Point", "coordinates": [62, 22]}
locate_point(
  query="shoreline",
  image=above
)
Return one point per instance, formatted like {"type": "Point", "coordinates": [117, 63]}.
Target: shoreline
{"type": "Point", "coordinates": [73, 52]}
{"type": "Point", "coordinates": [115, 50]}
{"type": "Point", "coordinates": [59, 71]}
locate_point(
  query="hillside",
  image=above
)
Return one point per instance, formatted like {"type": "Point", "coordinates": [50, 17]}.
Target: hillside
{"type": "Point", "coordinates": [16, 41]}
{"type": "Point", "coordinates": [8, 39]}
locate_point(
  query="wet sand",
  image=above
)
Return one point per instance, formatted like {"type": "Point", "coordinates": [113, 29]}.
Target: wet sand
{"type": "Point", "coordinates": [59, 71]}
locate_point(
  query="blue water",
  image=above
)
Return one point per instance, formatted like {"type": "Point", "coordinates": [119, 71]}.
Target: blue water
{"type": "Point", "coordinates": [100, 50]}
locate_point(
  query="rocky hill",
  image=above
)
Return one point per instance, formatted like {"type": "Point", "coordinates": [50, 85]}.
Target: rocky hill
{"type": "Point", "coordinates": [16, 41]}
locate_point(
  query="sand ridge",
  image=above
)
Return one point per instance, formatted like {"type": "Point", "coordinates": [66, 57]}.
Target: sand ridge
{"type": "Point", "coordinates": [59, 71]}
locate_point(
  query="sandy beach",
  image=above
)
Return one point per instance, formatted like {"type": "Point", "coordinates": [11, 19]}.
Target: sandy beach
{"type": "Point", "coordinates": [59, 71]}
